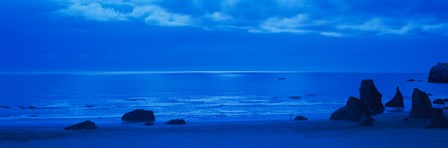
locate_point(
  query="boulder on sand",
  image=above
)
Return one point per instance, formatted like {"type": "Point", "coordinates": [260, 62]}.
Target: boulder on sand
{"type": "Point", "coordinates": [421, 105]}
{"type": "Point", "coordinates": [438, 119]}
{"type": "Point", "coordinates": [86, 125]}
{"type": "Point", "coordinates": [352, 111]}
{"type": "Point", "coordinates": [370, 96]}
{"type": "Point", "coordinates": [139, 115]}
{"type": "Point", "coordinates": [300, 118]}
{"type": "Point", "coordinates": [176, 122]}
{"type": "Point", "coordinates": [439, 73]}
{"type": "Point", "coordinates": [397, 100]}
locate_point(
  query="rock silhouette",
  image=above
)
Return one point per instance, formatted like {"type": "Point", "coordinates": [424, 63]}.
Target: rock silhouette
{"type": "Point", "coordinates": [86, 125]}
{"type": "Point", "coordinates": [352, 111]}
{"type": "Point", "coordinates": [176, 122]}
{"type": "Point", "coordinates": [299, 118]}
{"type": "Point", "coordinates": [397, 100]}
{"type": "Point", "coordinates": [439, 101]}
{"type": "Point", "coordinates": [139, 115]}
{"type": "Point", "coordinates": [438, 119]}
{"type": "Point", "coordinates": [421, 105]}
{"type": "Point", "coordinates": [439, 73]}
{"type": "Point", "coordinates": [370, 96]}
{"type": "Point", "coordinates": [366, 120]}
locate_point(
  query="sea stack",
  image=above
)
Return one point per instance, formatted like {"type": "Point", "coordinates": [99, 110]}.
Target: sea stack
{"type": "Point", "coordinates": [397, 100]}
{"type": "Point", "coordinates": [438, 119]}
{"type": "Point", "coordinates": [370, 96]}
{"type": "Point", "coordinates": [439, 73]}
{"type": "Point", "coordinates": [421, 105]}
{"type": "Point", "coordinates": [86, 125]}
{"type": "Point", "coordinates": [353, 110]}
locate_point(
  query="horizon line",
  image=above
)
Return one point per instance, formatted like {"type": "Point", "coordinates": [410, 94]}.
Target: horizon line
{"type": "Point", "coordinates": [179, 72]}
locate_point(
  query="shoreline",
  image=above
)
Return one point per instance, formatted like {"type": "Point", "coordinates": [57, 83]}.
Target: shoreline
{"type": "Point", "coordinates": [389, 130]}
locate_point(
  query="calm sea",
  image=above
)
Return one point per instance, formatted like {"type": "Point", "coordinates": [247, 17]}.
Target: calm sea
{"type": "Point", "coordinates": [194, 96]}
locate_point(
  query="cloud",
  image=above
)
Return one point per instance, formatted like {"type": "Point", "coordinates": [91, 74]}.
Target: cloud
{"type": "Point", "coordinates": [333, 18]}
{"type": "Point", "coordinates": [151, 14]}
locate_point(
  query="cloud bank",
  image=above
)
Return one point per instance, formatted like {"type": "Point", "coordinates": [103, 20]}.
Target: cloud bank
{"type": "Point", "coordinates": [334, 18]}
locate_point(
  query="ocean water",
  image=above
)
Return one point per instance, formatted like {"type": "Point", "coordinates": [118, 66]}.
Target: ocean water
{"type": "Point", "coordinates": [194, 96]}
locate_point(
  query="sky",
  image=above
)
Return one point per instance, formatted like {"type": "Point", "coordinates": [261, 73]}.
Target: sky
{"type": "Point", "coordinates": [223, 35]}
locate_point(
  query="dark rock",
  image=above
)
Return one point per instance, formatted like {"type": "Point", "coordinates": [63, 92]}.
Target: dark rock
{"type": "Point", "coordinates": [411, 80]}
{"type": "Point", "coordinates": [421, 105]}
{"type": "Point", "coordinates": [352, 111]}
{"type": "Point", "coordinates": [90, 106]}
{"type": "Point", "coordinates": [299, 118]}
{"type": "Point", "coordinates": [370, 96]}
{"type": "Point", "coordinates": [176, 122]}
{"type": "Point", "coordinates": [22, 107]}
{"type": "Point", "coordinates": [439, 101]}
{"type": "Point", "coordinates": [5, 107]}
{"type": "Point", "coordinates": [366, 120]}
{"type": "Point", "coordinates": [149, 123]}
{"type": "Point", "coordinates": [294, 97]}
{"type": "Point", "coordinates": [139, 115]}
{"type": "Point", "coordinates": [397, 100]}
{"type": "Point", "coordinates": [439, 73]}
{"type": "Point", "coordinates": [32, 107]}
{"type": "Point", "coordinates": [445, 100]}
{"type": "Point", "coordinates": [438, 119]}
{"type": "Point", "coordinates": [86, 125]}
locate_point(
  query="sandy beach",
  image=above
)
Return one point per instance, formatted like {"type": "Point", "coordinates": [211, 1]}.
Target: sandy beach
{"type": "Point", "coordinates": [390, 130]}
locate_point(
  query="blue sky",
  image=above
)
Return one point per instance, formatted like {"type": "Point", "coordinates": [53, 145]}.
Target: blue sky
{"type": "Point", "coordinates": [165, 35]}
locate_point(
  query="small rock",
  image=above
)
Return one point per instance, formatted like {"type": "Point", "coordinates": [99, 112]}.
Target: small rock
{"type": "Point", "coordinates": [445, 100]}
{"type": "Point", "coordinates": [176, 122]}
{"type": "Point", "coordinates": [139, 115]}
{"type": "Point", "coordinates": [32, 107]}
{"type": "Point", "coordinates": [438, 119]}
{"type": "Point", "coordinates": [294, 97]}
{"type": "Point", "coordinates": [411, 80]}
{"type": "Point", "coordinates": [352, 110]}
{"type": "Point", "coordinates": [439, 101]}
{"type": "Point", "coordinates": [149, 123]}
{"type": "Point", "coordinates": [366, 120]}
{"type": "Point", "coordinates": [5, 107]}
{"type": "Point", "coordinates": [90, 106]}
{"type": "Point", "coordinates": [86, 125]}
{"type": "Point", "coordinates": [300, 118]}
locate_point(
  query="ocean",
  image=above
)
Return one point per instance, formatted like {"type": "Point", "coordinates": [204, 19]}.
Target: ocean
{"type": "Point", "coordinates": [194, 96]}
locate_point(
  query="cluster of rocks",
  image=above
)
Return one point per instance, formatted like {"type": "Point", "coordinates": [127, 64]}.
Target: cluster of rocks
{"type": "Point", "coordinates": [364, 108]}
{"type": "Point", "coordinates": [369, 104]}
{"type": "Point", "coordinates": [138, 115]}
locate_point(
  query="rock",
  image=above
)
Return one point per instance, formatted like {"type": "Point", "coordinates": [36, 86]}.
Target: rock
{"type": "Point", "coordinates": [411, 80]}
{"type": "Point", "coordinates": [352, 111]}
{"type": "Point", "coordinates": [439, 73]}
{"type": "Point", "coordinates": [439, 101]}
{"type": "Point", "coordinates": [86, 125]}
{"type": "Point", "coordinates": [366, 120]}
{"type": "Point", "coordinates": [176, 122]}
{"type": "Point", "coordinates": [421, 105]}
{"type": "Point", "coordinates": [139, 115]}
{"type": "Point", "coordinates": [5, 107]}
{"type": "Point", "coordinates": [445, 100]}
{"type": "Point", "coordinates": [149, 123]}
{"type": "Point", "coordinates": [294, 97]}
{"type": "Point", "coordinates": [370, 96]}
{"type": "Point", "coordinates": [438, 119]}
{"type": "Point", "coordinates": [397, 100]}
{"type": "Point", "coordinates": [300, 118]}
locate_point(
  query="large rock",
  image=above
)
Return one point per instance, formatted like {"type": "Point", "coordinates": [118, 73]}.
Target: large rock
{"type": "Point", "coordinates": [86, 125]}
{"type": "Point", "coordinates": [370, 96]}
{"type": "Point", "coordinates": [300, 118]}
{"type": "Point", "coordinates": [421, 105]}
{"type": "Point", "coordinates": [439, 73]}
{"type": "Point", "coordinates": [139, 115]}
{"type": "Point", "coordinates": [352, 111]}
{"type": "Point", "coordinates": [438, 119]}
{"type": "Point", "coordinates": [397, 100]}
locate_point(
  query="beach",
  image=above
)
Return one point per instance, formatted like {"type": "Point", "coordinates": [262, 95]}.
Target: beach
{"type": "Point", "coordinates": [389, 130]}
